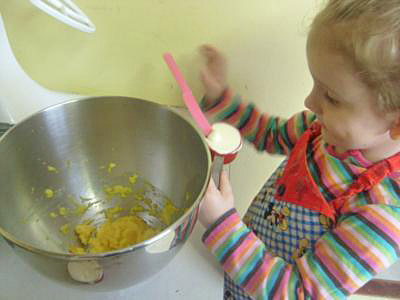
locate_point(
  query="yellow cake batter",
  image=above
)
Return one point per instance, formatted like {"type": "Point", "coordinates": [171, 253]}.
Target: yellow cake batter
{"type": "Point", "coordinates": [112, 235]}
{"type": "Point", "coordinates": [121, 232]}
{"type": "Point", "coordinates": [117, 231]}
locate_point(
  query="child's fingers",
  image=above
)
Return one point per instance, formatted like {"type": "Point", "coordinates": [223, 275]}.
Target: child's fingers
{"type": "Point", "coordinates": [209, 52]}
{"type": "Point", "coordinates": [212, 188]}
{"type": "Point", "coordinates": [204, 50]}
{"type": "Point", "coordinates": [205, 76]}
{"type": "Point", "coordinates": [225, 185]}
{"type": "Point", "coordinates": [207, 48]}
{"type": "Point", "coordinates": [211, 85]}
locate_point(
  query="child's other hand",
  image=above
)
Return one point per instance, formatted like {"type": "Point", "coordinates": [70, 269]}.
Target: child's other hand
{"type": "Point", "coordinates": [216, 202]}
{"type": "Point", "coordinates": [213, 74]}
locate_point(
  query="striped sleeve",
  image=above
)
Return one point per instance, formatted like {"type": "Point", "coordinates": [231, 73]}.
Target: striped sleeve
{"type": "Point", "coordinates": [362, 244]}
{"type": "Point", "coordinates": [267, 133]}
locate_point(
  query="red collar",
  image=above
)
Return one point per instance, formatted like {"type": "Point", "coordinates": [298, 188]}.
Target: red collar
{"type": "Point", "coordinates": [297, 185]}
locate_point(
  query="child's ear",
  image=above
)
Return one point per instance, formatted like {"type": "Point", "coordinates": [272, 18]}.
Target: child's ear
{"type": "Point", "coordinates": [395, 129]}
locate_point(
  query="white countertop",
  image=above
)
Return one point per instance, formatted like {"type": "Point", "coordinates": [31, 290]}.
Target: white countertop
{"type": "Point", "coordinates": [192, 274]}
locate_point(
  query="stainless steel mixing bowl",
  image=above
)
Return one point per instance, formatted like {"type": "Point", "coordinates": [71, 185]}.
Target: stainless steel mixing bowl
{"type": "Point", "coordinates": [79, 139]}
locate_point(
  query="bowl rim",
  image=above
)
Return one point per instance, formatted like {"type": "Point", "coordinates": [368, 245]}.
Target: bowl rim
{"type": "Point", "coordinates": [10, 238]}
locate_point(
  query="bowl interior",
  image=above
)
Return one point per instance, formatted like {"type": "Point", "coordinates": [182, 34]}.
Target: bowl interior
{"type": "Point", "coordinates": [63, 159]}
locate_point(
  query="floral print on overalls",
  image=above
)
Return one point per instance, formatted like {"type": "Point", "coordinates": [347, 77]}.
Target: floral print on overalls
{"type": "Point", "coordinates": [276, 216]}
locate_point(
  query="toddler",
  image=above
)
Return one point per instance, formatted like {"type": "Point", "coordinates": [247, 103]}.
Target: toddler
{"type": "Point", "coordinates": [328, 220]}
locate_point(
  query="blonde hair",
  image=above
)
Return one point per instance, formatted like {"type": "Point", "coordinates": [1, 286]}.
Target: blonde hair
{"type": "Point", "coordinates": [371, 39]}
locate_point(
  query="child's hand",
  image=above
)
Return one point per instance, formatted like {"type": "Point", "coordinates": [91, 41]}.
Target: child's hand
{"type": "Point", "coordinates": [216, 202]}
{"type": "Point", "coordinates": [213, 75]}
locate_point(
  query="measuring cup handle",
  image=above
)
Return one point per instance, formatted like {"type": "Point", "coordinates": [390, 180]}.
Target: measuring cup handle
{"type": "Point", "coordinates": [216, 169]}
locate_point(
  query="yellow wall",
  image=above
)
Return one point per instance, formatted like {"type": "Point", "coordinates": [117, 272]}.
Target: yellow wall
{"type": "Point", "coordinates": [124, 55]}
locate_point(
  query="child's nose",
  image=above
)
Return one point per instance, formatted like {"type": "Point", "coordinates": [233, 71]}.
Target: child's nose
{"type": "Point", "coordinates": [311, 102]}
{"type": "Point", "coordinates": [307, 102]}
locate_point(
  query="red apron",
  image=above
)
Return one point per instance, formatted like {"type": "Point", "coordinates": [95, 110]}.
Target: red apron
{"type": "Point", "coordinates": [298, 187]}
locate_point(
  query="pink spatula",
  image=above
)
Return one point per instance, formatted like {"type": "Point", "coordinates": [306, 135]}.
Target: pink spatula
{"type": "Point", "coordinates": [187, 95]}
{"type": "Point", "coordinates": [223, 139]}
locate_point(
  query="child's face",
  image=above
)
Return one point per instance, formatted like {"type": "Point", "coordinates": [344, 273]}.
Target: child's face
{"type": "Point", "coordinates": [344, 105]}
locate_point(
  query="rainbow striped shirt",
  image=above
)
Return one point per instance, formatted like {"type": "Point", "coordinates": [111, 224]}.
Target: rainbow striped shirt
{"type": "Point", "coordinates": [279, 251]}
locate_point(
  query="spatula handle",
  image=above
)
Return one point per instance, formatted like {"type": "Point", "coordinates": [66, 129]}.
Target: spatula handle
{"type": "Point", "coordinates": [187, 95]}
{"type": "Point", "coordinates": [216, 169]}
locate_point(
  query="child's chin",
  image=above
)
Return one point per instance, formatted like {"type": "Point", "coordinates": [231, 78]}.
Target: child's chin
{"type": "Point", "coordinates": [327, 138]}
{"type": "Point", "coordinates": [339, 148]}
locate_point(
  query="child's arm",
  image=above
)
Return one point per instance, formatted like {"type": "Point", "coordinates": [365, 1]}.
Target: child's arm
{"type": "Point", "coordinates": [267, 133]}
{"type": "Point", "coordinates": [363, 243]}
